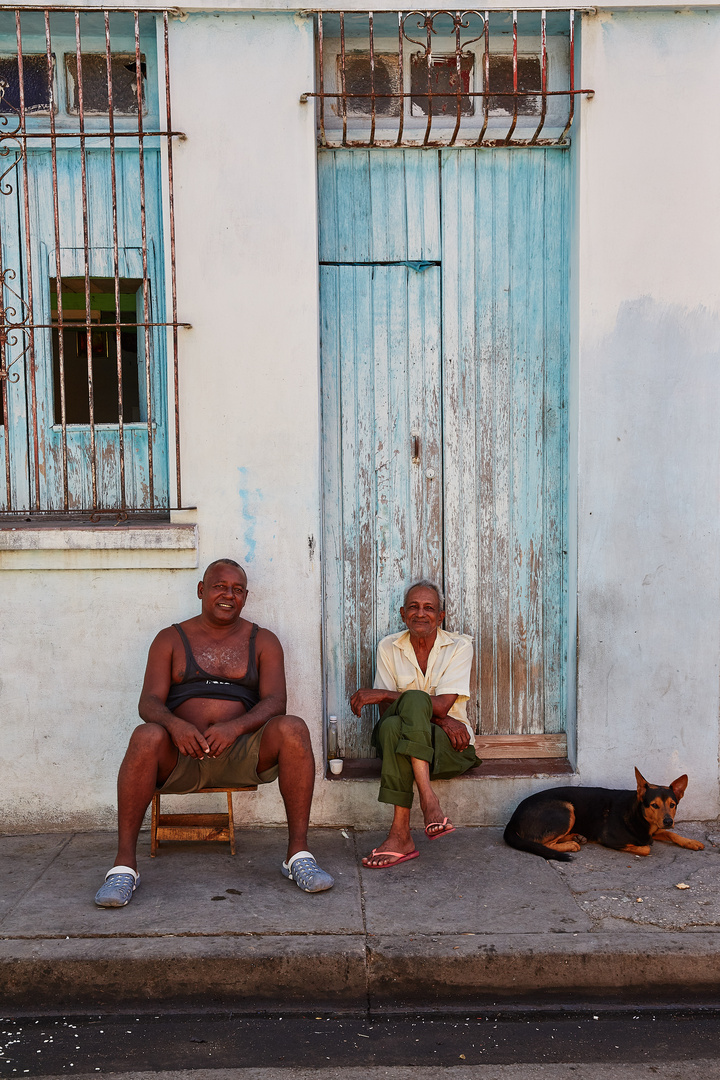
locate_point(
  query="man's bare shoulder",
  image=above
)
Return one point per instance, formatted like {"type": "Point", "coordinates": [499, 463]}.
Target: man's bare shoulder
{"type": "Point", "coordinates": [169, 635]}
{"type": "Point", "coordinates": [266, 640]}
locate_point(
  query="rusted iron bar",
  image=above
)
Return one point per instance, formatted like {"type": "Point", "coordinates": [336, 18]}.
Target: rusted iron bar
{"type": "Point", "coordinates": [323, 140]}
{"type": "Point", "coordinates": [143, 241]}
{"type": "Point", "coordinates": [342, 77]}
{"type": "Point", "coordinates": [116, 262]}
{"type": "Point", "coordinates": [508, 137]}
{"type": "Point", "coordinates": [400, 77]}
{"type": "Point", "coordinates": [75, 323]}
{"type": "Point", "coordinates": [372, 77]}
{"type": "Point", "coordinates": [119, 134]}
{"type": "Point", "coordinates": [4, 367]}
{"type": "Point", "coordinates": [543, 75]}
{"type": "Point", "coordinates": [486, 79]}
{"type": "Point", "coordinates": [451, 94]}
{"type": "Point", "coordinates": [28, 275]}
{"type": "Point", "coordinates": [86, 252]}
{"type": "Point", "coordinates": [173, 279]}
{"type": "Point", "coordinates": [572, 77]}
{"type": "Point", "coordinates": [428, 55]}
{"type": "Point", "coordinates": [58, 267]}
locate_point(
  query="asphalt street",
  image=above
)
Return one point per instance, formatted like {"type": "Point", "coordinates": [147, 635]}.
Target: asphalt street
{"type": "Point", "coordinates": [192, 1043]}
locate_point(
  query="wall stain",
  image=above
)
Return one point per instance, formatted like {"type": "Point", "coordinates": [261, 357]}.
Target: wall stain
{"type": "Point", "coordinates": [247, 497]}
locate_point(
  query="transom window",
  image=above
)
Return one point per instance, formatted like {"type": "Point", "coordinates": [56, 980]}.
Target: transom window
{"type": "Point", "coordinates": [444, 78]}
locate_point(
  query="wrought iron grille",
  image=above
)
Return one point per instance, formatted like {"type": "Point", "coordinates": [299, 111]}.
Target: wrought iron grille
{"type": "Point", "coordinates": [88, 308]}
{"type": "Point", "coordinates": [445, 78]}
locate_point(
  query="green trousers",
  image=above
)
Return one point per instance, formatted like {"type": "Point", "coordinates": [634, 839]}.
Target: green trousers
{"type": "Point", "coordinates": [405, 731]}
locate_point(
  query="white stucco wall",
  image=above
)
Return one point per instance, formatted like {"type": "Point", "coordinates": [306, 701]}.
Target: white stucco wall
{"type": "Point", "coordinates": [648, 319]}
{"type": "Point", "coordinates": [646, 383]}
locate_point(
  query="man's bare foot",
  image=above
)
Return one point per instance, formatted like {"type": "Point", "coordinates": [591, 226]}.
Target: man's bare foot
{"type": "Point", "coordinates": [388, 852]}
{"type": "Point", "coordinates": [433, 815]}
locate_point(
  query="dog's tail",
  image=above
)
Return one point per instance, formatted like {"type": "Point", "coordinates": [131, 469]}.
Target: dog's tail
{"type": "Point", "coordinates": [515, 840]}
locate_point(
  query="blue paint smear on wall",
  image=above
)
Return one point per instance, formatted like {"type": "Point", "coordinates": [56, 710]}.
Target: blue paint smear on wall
{"type": "Point", "coordinates": [247, 496]}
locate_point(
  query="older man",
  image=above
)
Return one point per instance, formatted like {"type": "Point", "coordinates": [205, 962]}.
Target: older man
{"type": "Point", "coordinates": [423, 675]}
{"type": "Point", "coordinates": [214, 703]}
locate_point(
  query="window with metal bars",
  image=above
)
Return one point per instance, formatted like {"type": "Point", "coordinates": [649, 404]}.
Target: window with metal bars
{"type": "Point", "coordinates": [445, 78]}
{"type": "Point", "coordinates": [88, 319]}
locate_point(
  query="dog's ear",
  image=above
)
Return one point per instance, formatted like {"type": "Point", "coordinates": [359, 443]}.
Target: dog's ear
{"type": "Point", "coordinates": [678, 786]}
{"type": "Point", "coordinates": [642, 784]}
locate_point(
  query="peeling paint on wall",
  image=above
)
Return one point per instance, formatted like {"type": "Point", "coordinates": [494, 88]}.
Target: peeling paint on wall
{"type": "Point", "coordinates": [248, 497]}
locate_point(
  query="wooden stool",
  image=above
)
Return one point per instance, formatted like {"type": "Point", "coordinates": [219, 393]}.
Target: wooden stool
{"type": "Point", "coordinates": [194, 826]}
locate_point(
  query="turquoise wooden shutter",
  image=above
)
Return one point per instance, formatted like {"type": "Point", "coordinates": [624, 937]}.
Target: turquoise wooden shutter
{"type": "Point", "coordinates": [136, 457]}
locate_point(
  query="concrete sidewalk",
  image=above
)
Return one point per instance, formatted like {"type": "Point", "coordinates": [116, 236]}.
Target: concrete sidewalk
{"type": "Point", "coordinates": [470, 921]}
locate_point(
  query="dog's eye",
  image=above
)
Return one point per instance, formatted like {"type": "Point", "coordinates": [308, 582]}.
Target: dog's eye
{"type": "Point", "coordinates": [672, 805]}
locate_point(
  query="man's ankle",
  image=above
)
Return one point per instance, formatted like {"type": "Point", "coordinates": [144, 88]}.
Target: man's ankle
{"type": "Point", "coordinates": [121, 860]}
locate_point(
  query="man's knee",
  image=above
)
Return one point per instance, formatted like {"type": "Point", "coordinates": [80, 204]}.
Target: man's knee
{"type": "Point", "coordinates": [415, 703]}
{"type": "Point", "coordinates": [149, 739]}
{"type": "Point", "coordinates": [389, 729]}
{"type": "Point", "coordinates": [291, 729]}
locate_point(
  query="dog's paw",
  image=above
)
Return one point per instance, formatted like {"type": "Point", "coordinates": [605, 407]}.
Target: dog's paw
{"type": "Point", "coordinates": [579, 838]}
{"type": "Point", "coordinates": [694, 845]}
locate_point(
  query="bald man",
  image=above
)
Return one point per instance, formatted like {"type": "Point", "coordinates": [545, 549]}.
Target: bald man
{"type": "Point", "coordinates": [213, 705]}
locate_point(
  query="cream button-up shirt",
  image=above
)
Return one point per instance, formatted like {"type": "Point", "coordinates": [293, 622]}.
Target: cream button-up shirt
{"type": "Point", "coordinates": [448, 669]}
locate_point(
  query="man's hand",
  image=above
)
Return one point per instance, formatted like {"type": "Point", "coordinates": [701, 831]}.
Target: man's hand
{"type": "Point", "coordinates": [361, 698]}
{"type": "Point", "coordinates": [456, 732]}
{"type": "Point", "coordinates": [220, 737]}
{"type": "Point", "coordinates": [188, 739]}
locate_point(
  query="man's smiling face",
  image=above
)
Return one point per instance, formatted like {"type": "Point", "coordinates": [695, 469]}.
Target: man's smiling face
{"type": "Point", "coordinates": [223, 592]}
{"type": "Point", "coordinates": [421, 613]}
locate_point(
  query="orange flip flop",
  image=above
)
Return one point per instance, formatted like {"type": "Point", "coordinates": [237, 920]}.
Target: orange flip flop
{"type": "Point", "coordinates": [401, 857]}
{"type": "Point", "coordinates": [445, 830]}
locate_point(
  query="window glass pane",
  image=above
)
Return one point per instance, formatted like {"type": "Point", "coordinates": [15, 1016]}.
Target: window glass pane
{"type": "Point", "coordinates": [103, 345]}
{"type": "Point", "coordinates": [501, 78]}
{"type": "Point", "coordinates": [358, 81]}
{"type": "Point", "coordinates": [35, 83]}
{"type": "Point", "coordinates": [94, 80]}
{"type": "Point", "coordinates": [443, 79]}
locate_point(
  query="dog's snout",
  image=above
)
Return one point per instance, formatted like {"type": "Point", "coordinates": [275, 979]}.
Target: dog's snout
{"type": "Point", "coordinates": [667, 821]}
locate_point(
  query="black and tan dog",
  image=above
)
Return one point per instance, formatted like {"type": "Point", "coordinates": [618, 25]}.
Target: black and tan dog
{"type": "Point", "coordinates": [552, 823]}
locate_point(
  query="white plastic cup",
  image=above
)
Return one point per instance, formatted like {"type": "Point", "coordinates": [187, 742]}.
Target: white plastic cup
{"type": "Point", "coordinates": [336, 765]}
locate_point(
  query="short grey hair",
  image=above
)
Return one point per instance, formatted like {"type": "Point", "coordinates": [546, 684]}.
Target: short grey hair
{"type": "Point", "coordinates": [425, 583]}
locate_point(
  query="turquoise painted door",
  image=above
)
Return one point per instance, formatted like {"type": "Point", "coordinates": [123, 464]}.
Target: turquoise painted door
{"type": "Point", "coordinates": [444, 360]}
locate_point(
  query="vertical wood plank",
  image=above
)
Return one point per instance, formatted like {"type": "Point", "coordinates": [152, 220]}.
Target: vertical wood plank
{"type": "Point", "coordinates": [555, 427]}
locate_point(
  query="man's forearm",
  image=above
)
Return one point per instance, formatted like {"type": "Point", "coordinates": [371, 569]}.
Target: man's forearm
{"type": "Point", "coordinates": [442, 704]}
{"type": "Point", "coordinates": [258, 715]}
{"type": "Point", "coordinates": [154, 711]}
{"type": "Point", "coordinates": [386, 696]}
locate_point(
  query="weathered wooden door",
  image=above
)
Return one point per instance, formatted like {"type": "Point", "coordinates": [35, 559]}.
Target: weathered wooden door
{"type": "Point", "coordinates": [444, 359]}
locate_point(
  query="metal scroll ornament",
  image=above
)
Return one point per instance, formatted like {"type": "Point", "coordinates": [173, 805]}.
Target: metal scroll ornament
{"type": "Point", "coordinates": [14, 312]}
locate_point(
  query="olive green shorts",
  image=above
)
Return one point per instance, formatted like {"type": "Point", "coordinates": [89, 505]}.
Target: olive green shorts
{"type": "Point", "coordinates": [236, 767]}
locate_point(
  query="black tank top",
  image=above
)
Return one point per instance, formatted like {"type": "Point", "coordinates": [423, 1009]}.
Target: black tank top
{"type": "Point", "coordinates": [197, 683]}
